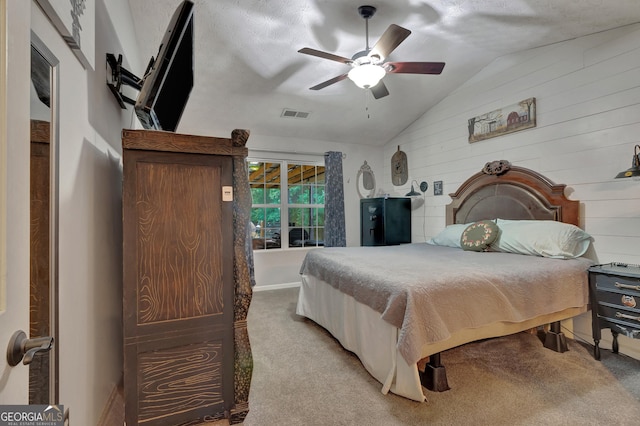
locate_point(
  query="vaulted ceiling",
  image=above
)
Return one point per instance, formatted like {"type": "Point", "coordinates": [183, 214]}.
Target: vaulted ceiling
{"type": "Point", "coordinates": [248, 69]}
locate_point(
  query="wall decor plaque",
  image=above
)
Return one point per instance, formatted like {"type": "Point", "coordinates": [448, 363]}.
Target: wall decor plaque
{"type": "Point", "coordinates": [399, 168]}
{"type": "Point", "coordinates": [512, 118]}
{"type": "Point", "coordinates": [75, 21]}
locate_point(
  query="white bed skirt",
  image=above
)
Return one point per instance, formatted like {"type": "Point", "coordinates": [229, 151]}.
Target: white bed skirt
{"type": "Point", "coordinates": [360, 330]}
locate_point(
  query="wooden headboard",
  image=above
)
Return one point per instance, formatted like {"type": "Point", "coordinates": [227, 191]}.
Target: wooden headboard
{"type": "Point", "coordinates": [504, 191]}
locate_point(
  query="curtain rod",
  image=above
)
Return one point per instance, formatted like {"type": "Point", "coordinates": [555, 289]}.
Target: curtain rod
{"type": "Point", "coordinates": [272, 151]}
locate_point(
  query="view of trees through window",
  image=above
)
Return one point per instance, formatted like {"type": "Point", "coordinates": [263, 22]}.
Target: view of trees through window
{"type": "Point", "coordinates": [286, 193]}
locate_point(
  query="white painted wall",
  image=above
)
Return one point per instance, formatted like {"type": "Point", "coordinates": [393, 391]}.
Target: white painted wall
{"type": "Point", "coordinates": [275, 267]}
{"type": "Point", "coordinates": [588, 110]}
{"type": "Point", "coordinates": [90, 248]}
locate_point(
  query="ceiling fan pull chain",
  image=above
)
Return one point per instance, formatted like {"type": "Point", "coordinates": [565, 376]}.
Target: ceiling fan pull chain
{"type": "Point", "coordinates": [366, 103]}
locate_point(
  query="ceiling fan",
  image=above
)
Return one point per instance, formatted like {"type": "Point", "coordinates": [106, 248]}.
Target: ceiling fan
{"type": "Point", "coordinates": [368, 67]}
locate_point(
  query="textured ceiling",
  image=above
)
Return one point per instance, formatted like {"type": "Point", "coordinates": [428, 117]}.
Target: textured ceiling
{"type": "Point", "coordinates": [247, 69]}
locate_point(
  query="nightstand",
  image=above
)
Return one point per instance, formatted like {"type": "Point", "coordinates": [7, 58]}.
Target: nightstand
{"type": "Point", "coordinates": [614, 291]}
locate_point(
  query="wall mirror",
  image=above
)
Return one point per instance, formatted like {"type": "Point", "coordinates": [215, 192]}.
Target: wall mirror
{"type": "Point", "coordinates": [366, 181]}
{"type": "Point", "coordinates": [43, 286]}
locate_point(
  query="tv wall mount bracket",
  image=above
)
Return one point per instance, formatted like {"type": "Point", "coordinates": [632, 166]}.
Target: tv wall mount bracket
{"type": "Point", "coordinates": [122, 76]}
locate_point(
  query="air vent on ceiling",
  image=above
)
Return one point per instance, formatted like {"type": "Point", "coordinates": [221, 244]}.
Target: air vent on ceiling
{"type": "Point", "coordinates": [294, 114]}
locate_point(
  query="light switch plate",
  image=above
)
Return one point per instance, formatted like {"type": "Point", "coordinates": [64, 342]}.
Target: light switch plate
{"type": "Point", "coordinates": [227, 193]}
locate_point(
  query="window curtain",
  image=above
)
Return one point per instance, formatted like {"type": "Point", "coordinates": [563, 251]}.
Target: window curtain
{"type": "Point", "coordinates": [334, 227]}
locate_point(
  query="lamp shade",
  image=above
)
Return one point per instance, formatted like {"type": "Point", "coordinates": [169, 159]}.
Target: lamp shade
{"type": "Point", "coordinates": [634, 170]}
{"type": "Point", "coordinates": [413, 192]}
{"type": "Point", "coordinates": [366, 75]}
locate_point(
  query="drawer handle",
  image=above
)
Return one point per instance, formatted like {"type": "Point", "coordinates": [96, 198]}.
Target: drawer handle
{"type": "Point", "coordinates": [627, 286]}
{"type": "Point", "coordinates": [625, 316]}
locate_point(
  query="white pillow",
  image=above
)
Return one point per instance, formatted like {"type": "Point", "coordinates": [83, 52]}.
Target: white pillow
{"type": "Point", "coordinates": [545, 238]}
{"type": "Point", "coordinates": [449, 236]}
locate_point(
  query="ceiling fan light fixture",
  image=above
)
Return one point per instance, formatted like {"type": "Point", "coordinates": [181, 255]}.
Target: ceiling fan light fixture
{"type": "Point", "coordinates": [366, 75]}
{"type": "Point", "coordinates": [368, 66]}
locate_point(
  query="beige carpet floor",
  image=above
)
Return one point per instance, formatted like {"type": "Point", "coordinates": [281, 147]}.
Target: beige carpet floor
{"type": "Point", "coordinates": [302, 376]}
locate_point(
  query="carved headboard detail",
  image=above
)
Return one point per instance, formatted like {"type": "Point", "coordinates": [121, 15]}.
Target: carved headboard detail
{"type": "Point", "coordinates": [496, 167]}
{"type": "Point", "coordinates": [504, 191]}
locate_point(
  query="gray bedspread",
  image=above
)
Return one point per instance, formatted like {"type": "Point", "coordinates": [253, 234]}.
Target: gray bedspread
{"type": "Point", "coordinates": [429, 292]}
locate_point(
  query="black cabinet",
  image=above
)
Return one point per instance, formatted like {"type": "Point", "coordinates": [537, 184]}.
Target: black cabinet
{"type": "Point", "coordinates": [385, 221]}
{"type": "Point", "coordinates": [614, 290]}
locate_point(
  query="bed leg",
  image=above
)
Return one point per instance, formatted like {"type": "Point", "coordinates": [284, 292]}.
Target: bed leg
{"type": "Point", "coordinates": [434, 376]}
{"type": "Point", "coordinates": [555, 339]}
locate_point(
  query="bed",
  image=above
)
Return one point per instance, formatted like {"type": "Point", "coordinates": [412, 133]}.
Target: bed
{"type": "Point", "coordinates": [399, 308]}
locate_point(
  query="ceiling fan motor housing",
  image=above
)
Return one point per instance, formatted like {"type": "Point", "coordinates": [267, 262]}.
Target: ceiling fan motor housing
{"type": "Point", "coordinates": [363, 57]}
{"type": "Point", "coordinates": [366, 11]}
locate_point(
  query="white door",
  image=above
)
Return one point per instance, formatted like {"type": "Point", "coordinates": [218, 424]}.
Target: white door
{"type": "Point", "coordinates": [14, 190]}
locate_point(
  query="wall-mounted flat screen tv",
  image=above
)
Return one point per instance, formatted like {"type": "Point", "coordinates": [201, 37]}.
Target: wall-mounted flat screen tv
{"type": "Point", "coordinates": [168, 81]}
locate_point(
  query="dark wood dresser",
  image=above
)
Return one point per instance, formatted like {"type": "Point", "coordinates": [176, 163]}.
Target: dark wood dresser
{"type": "Point", "coordinates": [385, 221]}
{"type": "Point", "coordinates": [614, 290]}
{"type": "Point", "coordinates": [186, 284]}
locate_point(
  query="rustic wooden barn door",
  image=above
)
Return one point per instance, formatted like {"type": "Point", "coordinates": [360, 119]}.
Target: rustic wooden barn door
{"type": "Point", "coordinates": [178, 287]}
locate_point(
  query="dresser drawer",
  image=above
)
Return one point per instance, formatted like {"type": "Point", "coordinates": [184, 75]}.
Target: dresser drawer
{"type": "Point", "coordinates": [628, 316]}
{"type": "Point", "coordinates": [619, 311]}
{"type": "Point", "coordinates": [616, 307]}
{"type": "Point", "coordinates": [621, 326]}
{"type": "Point", "coordinates": [629, 285]}
{"type": "Point", "coordinates": [623, 300]}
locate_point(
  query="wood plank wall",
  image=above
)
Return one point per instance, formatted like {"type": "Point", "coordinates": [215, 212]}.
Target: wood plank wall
{"type": "Point", "coordinates": [587, 92]}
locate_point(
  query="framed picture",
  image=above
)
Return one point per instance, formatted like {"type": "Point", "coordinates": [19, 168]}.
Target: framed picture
{"type": "Point", "coordinates": [437, 187]}
{"type": "Point", "coordinates": [505, 120]}
{"type": "Point", "coordinates": [75, 21]}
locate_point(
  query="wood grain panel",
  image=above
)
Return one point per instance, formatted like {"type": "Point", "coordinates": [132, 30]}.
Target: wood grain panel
{"type": "Point", "coordinates": [172, 142]}
{"type": "Point", "coordinates": [179, 266]}
{"type": "Point", "coordinates": [39, 282]}
{"type": "Point", "coordinates": [180, 379]}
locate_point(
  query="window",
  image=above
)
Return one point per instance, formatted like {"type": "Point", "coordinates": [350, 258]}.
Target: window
{"type": "Point", "coordinates": [290, 193]}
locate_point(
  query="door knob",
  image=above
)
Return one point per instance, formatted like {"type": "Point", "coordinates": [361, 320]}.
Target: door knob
{"type": "Point", "coordinates": [22, 349]}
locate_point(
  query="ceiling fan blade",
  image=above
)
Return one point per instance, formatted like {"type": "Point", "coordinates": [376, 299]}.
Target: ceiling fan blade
{"type": "Point", "coordinates": [379, 90]}
{"type": "Point", "coordinates": [390, 39]}
{"type": "Point", "coordinates": [325, 55]}
{"type": "Point", "coordinates": [328, 82]}
{"type": "Point", "coordinates": [414, 67]}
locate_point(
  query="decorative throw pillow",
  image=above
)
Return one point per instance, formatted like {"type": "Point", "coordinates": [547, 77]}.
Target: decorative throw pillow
{"type": "Point", "coordinates": [479, 235]}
